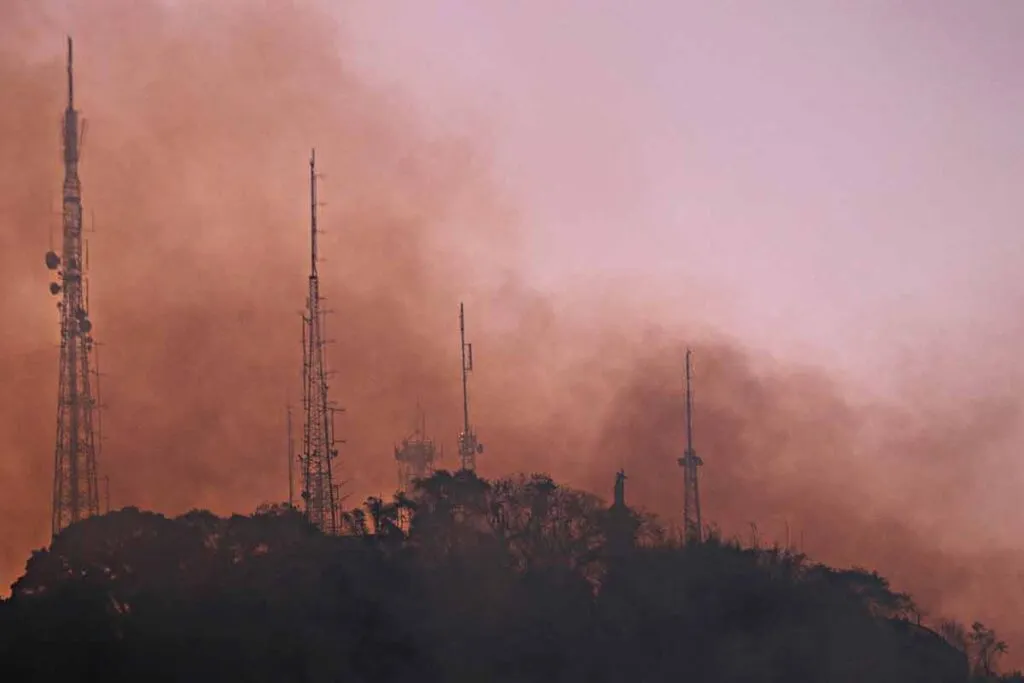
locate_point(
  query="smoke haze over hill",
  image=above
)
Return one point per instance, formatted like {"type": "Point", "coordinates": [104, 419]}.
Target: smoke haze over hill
{"type": "Point", "coordinates": [194, 168]}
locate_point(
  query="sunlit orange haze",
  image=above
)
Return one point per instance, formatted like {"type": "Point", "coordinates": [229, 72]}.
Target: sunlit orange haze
{"type": "Point", "coordinates": [200, 121]}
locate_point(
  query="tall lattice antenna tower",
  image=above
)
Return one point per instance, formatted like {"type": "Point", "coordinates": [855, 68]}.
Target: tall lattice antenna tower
{"type": "Point", "coordinates": [416, 454]}
{"type": "Point", "coordinates": [469, 447]}
{"type": "Point", "coordinates": [319, 493]}
{"type": "Point", "coordinates": [690, 462]}
{"type": "Point", "coordinates": [75, 486]}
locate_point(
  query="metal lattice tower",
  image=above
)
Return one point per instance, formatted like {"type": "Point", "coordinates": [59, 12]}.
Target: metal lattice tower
{"type": "Point", "coordinates": [690, 462]}
{"type": "Point", "coordinates": [416, 455]}
{"type": "Point", "coordinates": [75, 481]}
{"type": "Point", "coordinates": [469, 447]}
{"type": "Point", "coordinates": [319, 492]}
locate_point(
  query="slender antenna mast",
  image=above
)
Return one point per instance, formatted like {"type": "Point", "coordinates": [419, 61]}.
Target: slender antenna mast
{"type": "Point", "coordinates": [469, 447]}
{"type": "Point", "coordinates": [291, 460]}
{"type": "Point", "coordinates": [690, 462]}
{"type": "Point", "coordinates": [467, 367]}
{"type": "Point", "coordinates": [71, 76]}
{"type": "Point", "coordinates": [75, 485]}
{"type": "Point", "coordinates": [319, 492]}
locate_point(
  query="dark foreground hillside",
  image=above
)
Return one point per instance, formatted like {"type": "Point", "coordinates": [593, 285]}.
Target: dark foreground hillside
{"type": "Point", "coordinates": [466, 581]}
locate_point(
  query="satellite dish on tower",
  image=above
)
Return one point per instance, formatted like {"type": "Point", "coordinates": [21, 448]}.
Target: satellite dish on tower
{"type": "Point", "coordinates": [52, 260]}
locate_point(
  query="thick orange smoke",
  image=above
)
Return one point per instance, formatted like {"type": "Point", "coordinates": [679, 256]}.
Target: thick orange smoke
{"type": "Point", "coordinates": [200, 122]}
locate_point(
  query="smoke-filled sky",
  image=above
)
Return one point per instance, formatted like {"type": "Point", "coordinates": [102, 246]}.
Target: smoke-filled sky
{"type": "Point", "coordinates": [869, 148]}
{"type": "Point", "coordinates": [819, 197]}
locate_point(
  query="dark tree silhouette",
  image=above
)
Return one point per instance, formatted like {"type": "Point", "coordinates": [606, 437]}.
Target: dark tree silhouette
{"type": "Point", "coordinates": [516, 580]}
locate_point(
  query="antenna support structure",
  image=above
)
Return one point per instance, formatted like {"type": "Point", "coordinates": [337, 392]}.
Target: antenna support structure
{"type": "Point", "coordinates": [469, 447]}
{"type": "Point", "coordinates": [416, 455]}
{"type": "Point", "coordinates": [75, 479]}
{"type": "Point", "coordinates": [693, 529]}
{"type": "Point", "coordinates": [320, 495]}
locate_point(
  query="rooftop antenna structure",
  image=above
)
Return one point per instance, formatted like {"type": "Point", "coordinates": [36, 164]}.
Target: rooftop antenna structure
{"type": "Point", "coordinates": [693, 529]}
{"type": "Point", "coordinates": [416, 454]}
{"type": "Point", "coordinates": [75, 480]}
{"type": "Point", "coordinates": [469, 447]}
{"type": "Point", "coordinates": [320, 494]}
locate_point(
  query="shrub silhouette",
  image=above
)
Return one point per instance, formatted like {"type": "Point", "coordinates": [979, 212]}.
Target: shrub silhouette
{"type": "Point", "coordinates": [518, 579]}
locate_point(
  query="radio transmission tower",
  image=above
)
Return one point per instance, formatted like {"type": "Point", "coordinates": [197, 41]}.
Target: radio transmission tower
{"type": "Point", "coordinates": [75, 487]}
{"type": "Point", "coordinates": [319, 492]}
{"type": "Point", "coordinates": [690, 462]}
{"type": "Point", "coordinates": [469, 447]}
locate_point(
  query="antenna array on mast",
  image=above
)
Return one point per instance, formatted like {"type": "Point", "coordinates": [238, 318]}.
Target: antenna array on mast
{"type": "Point", "coordinates": [690, 462]}
{"type": "Point", "coordinates": [75, 480]}
{"type": "Point", "coordinates": [320, 494]}
{"type": "Point", "coordinates": [469, 447]}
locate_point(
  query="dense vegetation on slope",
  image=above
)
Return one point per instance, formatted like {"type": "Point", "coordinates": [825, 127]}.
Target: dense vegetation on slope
{"type": "Point", "coordinates": [516, 580]}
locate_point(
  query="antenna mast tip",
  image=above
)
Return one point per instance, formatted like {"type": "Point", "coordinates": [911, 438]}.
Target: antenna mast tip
{"type": "Point", "coordinates": [71, 81]}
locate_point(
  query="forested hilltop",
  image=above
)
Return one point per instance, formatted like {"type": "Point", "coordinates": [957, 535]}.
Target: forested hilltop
{"type": "Point", "coordinates": [465, 580]}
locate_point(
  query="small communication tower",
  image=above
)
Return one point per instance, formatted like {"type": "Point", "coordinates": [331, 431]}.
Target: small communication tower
{"type": "Point", "coordinates": [469, 447]}
{"type": "Point", "coordinates": [691, 462]}
{"type": "Point", "coordinates": [416, 455]}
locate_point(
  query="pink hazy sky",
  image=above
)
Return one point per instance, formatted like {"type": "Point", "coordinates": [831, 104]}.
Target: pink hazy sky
{"type": "Point", "coordinates": [840, 181]}
{"type": "Point", "coordinates": [844, 175]}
